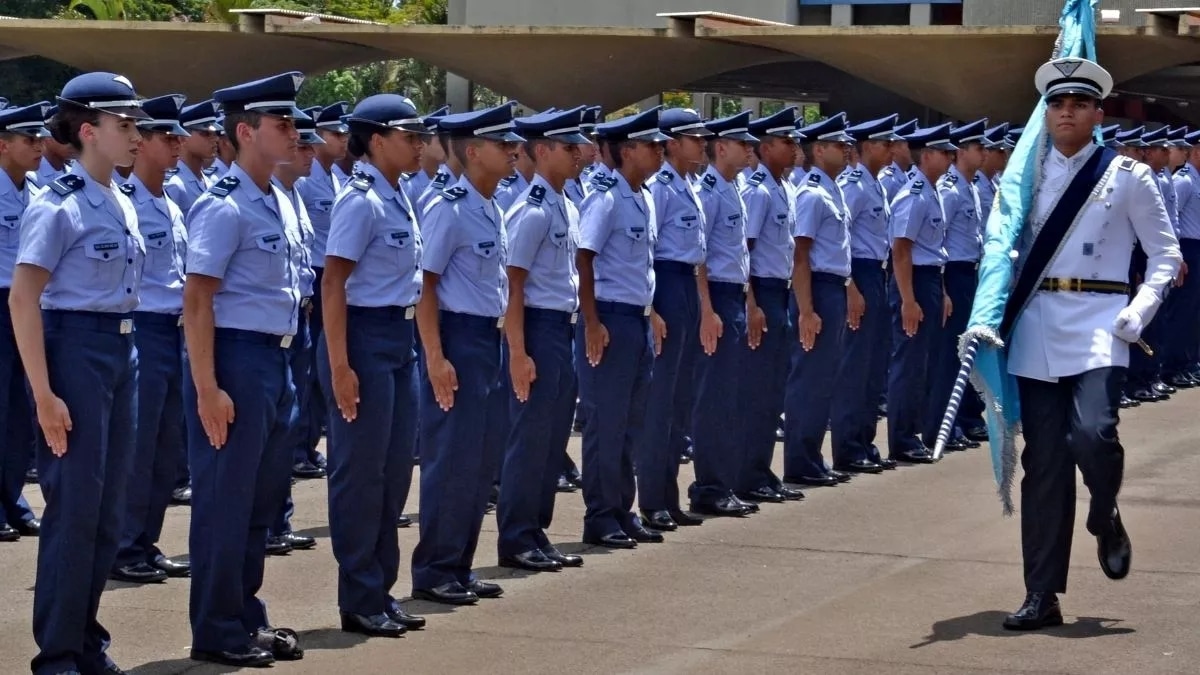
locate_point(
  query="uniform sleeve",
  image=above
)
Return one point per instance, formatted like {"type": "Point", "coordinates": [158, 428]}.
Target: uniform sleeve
{"type": "Point", "coordinates": [528, 227]}
{"type": "Point", "coordinates": [214, 235]}
{"type": "Point", "coordinates": [952, 202]}
{"type": "Point", "coordinates": [854, 195]}
{"type": "Point", "coordinates": [46, 234]}
{"type": "Point", "coordinates": [595, 220]}
{"type": "Point", "coordinates": [907, 213]}
{"type": "Point", "coordinates": [809, 209]}
{"type": "Point", "coordinates": [351, 226]}
{"type": "Point", "coordinates": [757, 212]}
{"type": "Point", "coordinates": [1182, 184]}
{"type": "Point", "coordinates": [439, 235]}
{"type": "Point", "coordinates": [174, 189]}
{"type": "Point", "coordinates": [1148, 216]}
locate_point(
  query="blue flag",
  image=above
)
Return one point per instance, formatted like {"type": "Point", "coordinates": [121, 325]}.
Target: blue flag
{"type": "Point", "coordinates": [1077, 38]}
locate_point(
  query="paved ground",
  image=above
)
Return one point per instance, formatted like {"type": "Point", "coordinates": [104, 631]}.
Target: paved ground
{"type": "Point", "coordinates": [908, 572]}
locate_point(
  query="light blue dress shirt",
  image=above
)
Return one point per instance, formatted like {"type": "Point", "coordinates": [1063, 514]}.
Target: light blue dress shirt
{"type": "Point", "coordinates": [619, 226]}
{"type": "Point", "coordinates": [466, 244]}
{"type": "Point", "coordinates": [964, 227]}
{"type": "Point", "coordinates": [680, 218]}
{"type": "Point", "coordinates": [161, 224]}
{"type": "Point", "coordinates": [543, 235]}
{"type": "Point", "coordinates": [822, 215]}
{"type": "Point", "coordinates": [318, 190]}
{"type": "Point", "coordinates": [770, 217]}
{"type": "Point", "coordinates": [870, 214]}
{"type": "Point", "coordinates": [917, 216]}
{"type": "Point", "coordinates": [13, 202]}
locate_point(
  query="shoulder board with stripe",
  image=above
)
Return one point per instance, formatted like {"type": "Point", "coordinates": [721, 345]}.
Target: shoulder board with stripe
{"type": "Point", "coordinates": [917, 186]}
{"type": "Point", "coordinates": [709, 181]}
{"type": "Point", "coordinates": [756, 178]}
{"type": "Point", "coordinates": [440, 179]}
{"type": "Point", "coordinates": [362, 181]}
{"type": "Point", "coordinates": [976, 178]}
{"type": "Point", "coordinates": [814, 179]}
{"type": "Point", "coordinates": [224, 186]}
{"type": "Point", "coordinates": [172, 171]}
{"type": "Point", "coordinates": [950, 179]}
{"type": "Point", "coordinates": [127, 188]}
{"type": "Point", "coordinates": [854, 176]}
{"type": "Point", "coordinates": [209, 171]}
{"type": "Point", "coordinates": [889, 171]}
{"type": "Point", "coordinates": [537, 194]}
{"type": "Point", "coordinates": [408, 175]}
{"type": "Point", "coordinates": [509, 180]}
{"type": "Point", "coordinates": [455, 193]}
{"type": "Point", "coordinates": [665, 177]}
{"type": "Point", "coordinates": [604, 183]}
{"type": "Point", "coordinates": [1127, 163]}
{"type": "Point", "coordinates": [66, 184]}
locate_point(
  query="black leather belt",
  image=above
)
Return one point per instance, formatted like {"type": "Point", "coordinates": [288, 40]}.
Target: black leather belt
{"type": "Point", "coordinates": [1084, 286]}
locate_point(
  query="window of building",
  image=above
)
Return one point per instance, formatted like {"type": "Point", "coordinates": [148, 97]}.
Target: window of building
{"type": "Point", "coordinates": [946, 15]}
{"type": "Point", "coordinates": [881, 15]}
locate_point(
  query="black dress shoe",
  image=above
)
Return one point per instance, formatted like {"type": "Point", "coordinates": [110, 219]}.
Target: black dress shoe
{"type": "Point", "coordinates": [299, 542]}
{"type": "Point", "coordinates": [307, 470]}
{"type": "Point", "coordinates": [451, 593]}
{"type": "Point", "coordinates": [1114, 550]}
{"type": "Point", "coordinates": [278, 546]}
{"type": "Point", "coordinates": [173, 568]}
{"type": "Point", "coordinates": [380, 625]}
{"type": "Point", "coordinates": [840, 476]}
{"type": "Point", "coordinates": [8, 533]}
{"type": "Point", "coordinates": [887, 464]}
{"type": "Point", "coordinates": [283, 643]}
{"type": "Point", "coordinates": [762, 494]}
{"type": "Point", "coordinates": [1127, 402]}
{"type": "Point", "coordinates": [564, 559]}
{"type": "Point", "coordinates": [1161, 387]}
{"type": "Point", "coordinates": [1145, 395]}
{"type": "Point", "coordinates": [139, 573]}
{"type": "Point", "coordinates": [31, 476]}
{"type": "Point", "coordinates": [485, 589]}
{"type": "Point", "coordinates": [403, 521]}
{"type": "Point", "coordinates": [1181, 381]}
{"type": "Point", "coordinates": [533, 561]}
{"type": "Point", "coordinates": [684, 519]}
{"type": "Point", "coordinates": [977, 433]}
{"type": "Point", "coordinates": [252, 657]}
{"type": "Point", "coordinates": [29, 528]}
{"type": "Point", "coordinates": [859, 466]}
{"type": "Point", "coordinates": [182, 496]}
{"type": "Point", "coordinates": [611, 540]}
{"type": "Point", "coordinates": [812, 481]}
{"type": "Point", "coordinates": [726, 506]}
{"type": "Point", "coordinates": [575, 478]}
{"type": "Point", "coordinates": [790, 494]}
{"type": "Point", "coordinates": [685, 458]}
{"type": "Point", "coordinates": [113, 669]}
{"type": "Point", "coordinates": [410, 621]}
{"type": "Point", "coordinates": [915, 456]}
{"type": "Point", "coordinates": [644, 536]}
{"type": "Point", "coordinates": [565, 485]}
{"type": "Point", "coordinates": [659, 520]}
{"type": "Point", "coordinates": [1040, 610]}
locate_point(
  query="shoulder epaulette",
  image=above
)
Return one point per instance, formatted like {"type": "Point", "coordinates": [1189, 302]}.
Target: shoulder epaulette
{"type": "Point", "coordinates": [814, 179]}
{"type": "Point", "coordinates": [665, 177]}
{"type": "Point", "coordinates": [917, 186]}
{"type": "Point", "coordinates": [604, 183]}
{"type": "Point", "coordinates": [976, 178]}
{"type": "Point", "coordinates": [172, 171]}
{"type": "Point", "coordinates": [362, 181]}
{"type": "Point", "coordinates": [854, 176]}
{"type": "Point", "coordinates": [66, 184]}
{"type": "Point", "coordinates": [440, 178]}
{"type": "Point", "coordinates": [950, 179]}
{"type": "Point", "coordinates": [1127, 163]}
{"type": "Point", "coordinates": [509, 180]}
{"type": "Point", "coordinates": [223, 187]}
{"type": "Point", "coordinates": [756, 178]}
{"type": "Point", "coordinates": [588, 170]}
{"type": "Point", "coordinates": [1181, 170]}
{"type": "Point", "coordinates": [408, 175]}
{"type": "Point", "coordinates": [709, 181]}
{"type": "Point", "coordinates": [209, 171]}
{"type": "Point", "coordinates": [455, 193]}
{"type": "Point", "coordinates": [127, 188]}
{"type": "Point", "coordinates": [537, 194]}
{"type": "Point", "coordinates": [889, 171]}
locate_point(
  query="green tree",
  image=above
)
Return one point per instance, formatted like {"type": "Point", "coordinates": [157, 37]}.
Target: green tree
{"type": "Point", "coordinates": [676, 99]}
{"type": "Point", "coordinates": [222, 10]}
{"type": "Point", "coordinates": [31, 9]}
{"type": "Point", "coordinates": [104, 10]}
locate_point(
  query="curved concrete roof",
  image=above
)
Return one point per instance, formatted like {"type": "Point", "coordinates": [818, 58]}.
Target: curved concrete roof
{"type": "Point", "coordinates": [964, 72]}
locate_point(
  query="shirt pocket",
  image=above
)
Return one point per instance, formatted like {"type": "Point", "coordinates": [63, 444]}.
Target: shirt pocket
{"type": "Point", "coordinates": [638, 239]}
{"type": "Point", "coordinates": [487, 257]}
{"type": "Point", "coordinates": [107, 261]}
{"type": "Point", "coordinates": [404, 246]}
{"type": "Point", "coordinates": [10, 230]}
{"type": "Point", "coordinates": [686, 222]}
{"type": "Point", "coordinates": [270, 254]}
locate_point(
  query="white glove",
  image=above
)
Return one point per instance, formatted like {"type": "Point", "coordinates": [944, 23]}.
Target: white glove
{"type": "Point", "coordinates": [1132, 319]}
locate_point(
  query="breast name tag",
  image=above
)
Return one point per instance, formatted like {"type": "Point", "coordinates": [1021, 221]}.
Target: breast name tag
{"type": "Point", "coordinates": [410, 312]}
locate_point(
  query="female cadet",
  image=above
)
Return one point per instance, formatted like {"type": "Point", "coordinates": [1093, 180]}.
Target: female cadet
{"type": "Point", "coordinates": [21, 133]}
{"type": "Point", "coordinates": [370, 288]}
{"type": "Point", "coordinates": [160, 349]}
{"type": "Point", "coordinates": [80, 245]}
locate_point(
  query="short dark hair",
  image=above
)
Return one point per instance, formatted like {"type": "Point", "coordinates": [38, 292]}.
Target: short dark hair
{"type": "Point", "coordinates": [614, 152]}
{"type": "Point", "coordinates": [360, 142]}
{"type": "Point", "coordinates": [232, 120]}
{"type": "Point", "coordinates": [458, 146]}
{"type": "Point", "coordinates": [65, 124]}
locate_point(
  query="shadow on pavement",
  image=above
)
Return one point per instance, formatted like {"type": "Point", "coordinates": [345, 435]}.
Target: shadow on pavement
{"type": "Point", "coordinates": [989, 624]}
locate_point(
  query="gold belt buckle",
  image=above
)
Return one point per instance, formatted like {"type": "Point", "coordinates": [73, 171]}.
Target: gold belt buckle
{"type": "Point", "coordinates": [285, 341]}
{"type": "Point", "coordinates": [126, 326]}
{"type": "Point", "coordinates": [1064, 284]}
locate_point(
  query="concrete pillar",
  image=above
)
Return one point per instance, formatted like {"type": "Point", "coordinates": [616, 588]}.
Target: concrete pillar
{"type": "Point", "coordinates": [920, 14]}
{"type": "Point", "coordinates": [702, 103]}
{"type": "Point", "coordinates": [458, 89]}
{"type": "Point", "coordinates": [754, 105]}
{"type": "Point", "coordinates": [841, 15]}
{"type": "Point", "coordinates": [650, 102]}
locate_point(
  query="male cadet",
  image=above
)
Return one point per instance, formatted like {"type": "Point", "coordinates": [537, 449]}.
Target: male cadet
{"type": "Point", "coordinates": [159, 443]}
{"type": "Point", "coordinates": [677, 254]}
{"type": "Point", "coordinates": [820, 275]}
{"type": "Point", "coordinates": [225, 152]}
{"type": "Point", "coordinates": [513, 186]}
{"type": "Point", "coordinates": [1144, 381]}
{"type": "Point", "coordinates": [301, 354]}
{"type": "Point", "coordinates": [543, 306]}
{"type": "Point", "coordinates": [432, 157]}
{"type": "Point", "coordinates": [464, 403]}
{"type": "Point", "coordinates": [614, 352]}
{"type": "Point", "coordinates": [56, 158]}
{"type": "Point", "coordinates": [896, 175]}
{"type": "Point", "coordinates": [962, 207]}
{"type": "Point", "coordinates": [768, 346]}
{"type": "Point", "coordinates": [22, 134]}
{"type": "Point", "coordinates": [1183, 314]}
{"type": "Point", "coordinates": [187, 182]}
{"type": "Point", "coordinates": [995, 160]}
{"type": "Point", "coordinates": [447, 174]}
{"type": "Point", "coordinates": [1072, 324]}
{"type": "Point", "coordinates": [587, 156]}
{"type": "Point", "coordinates": [317, 190]}
{"type": "Point", "coordinates": [800, 165]}
{"type": "Point", "coordinates": [241, 303]}
{"type": "Point", "coordinates": [1178, 152]}
{"type": "Point", "coordinates": [862, 374]}
{"type": "Point", "coordinates": [717, 424]}
{"type": "Point", "coordinates": [918, 302]}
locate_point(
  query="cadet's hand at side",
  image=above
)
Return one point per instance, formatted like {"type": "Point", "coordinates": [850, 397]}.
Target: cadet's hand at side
{"type": "Point", "coordinates": [596, 337]}
{"type": "Point", "coordinates": [856, 306]}
{"type": "Point", "coordinates": [947, 308]}
{"type": "Point", "coordinates": [523, 372]}
{"type": "Point", "coordinates": [911, 316]}
{"type": "Point", "coordinates": [444, 380]}
{"type": "Point", "coordinates": [55, 421]}
{"type": "Point", "coordinates": [711, 329]}
{"type": "Point", "coordinates": [345, 392]}
{"type": "Point", "coordinates": [810, 327]}
{"type": "Point", "coordinates": [216, 414]}
{"type": "Point", "coordinates": [756, 325]}
{"type": "Point", "coordinates": [659, 328]}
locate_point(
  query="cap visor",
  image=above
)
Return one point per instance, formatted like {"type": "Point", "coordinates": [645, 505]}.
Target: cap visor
{"type": "Point", "coordinates": [171, 129]}
{"type": "Point", "coordinates": [287, 112]}
{"type": "Point", "coordinates": [948, 146]}
{"type": "Point", "coordinates": [656, 137]}
{"type": "Point", "coordinates": [210, 127]}
{"type": "Point", "coordinates": [698, 132]}
{"type": "Point", "coordinates": [502, 136]}
{"type": "Point", "coordinates": [574, 139]}
{"type": "Point", "coordinates": [790, 133]}
{"type": "Point", "coordinates": [32, 132]}
{"type": "Point", "coordinates": [1072, 91]}
{"type": "Point", "coordinates": [311, 138]}
{"type": "Point", "coordinates": [339, 128]}
{"type": "Point", "coordinates": [127, 113]}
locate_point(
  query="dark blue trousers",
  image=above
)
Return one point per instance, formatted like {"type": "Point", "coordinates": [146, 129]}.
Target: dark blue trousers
{"type": "Point", "coordinates": [763, 382]}
{"type": "Point", "coordinates": [93, 369]}
{"type": "Point", "coordinates": [301, 356]}
{"type": "Point", "coordinates": [159, 342]}
{"type": "Point", "coordinates": [237, 490]}
{"type": "Point", "coordinates": [540, 429]}
{"type": "Point", "coordinates": [459, 452]}
{"type": "Point", "coordinates": [812, 379]}
{"type": "Point", "coordinates": [613, 398]}
{"type": "Point", "coordinates": [371, 458]}
{"type": "Point", "coordinates": [15, 424]}
{"type": "Point", "coordinates": [716, 420]}
{"type": "Point", "coordinates": [959, 280]}
{"type": "Point", "coordinates": [1183, 315]}
{"type": "Point", "coordinates": [863, 369]}
{"type": "Point", "coordinates": [676, 300]}
{"type": "Point", "coordinates": [908, 378]}
{"type": "Point", "coordinates": [314, 415]}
